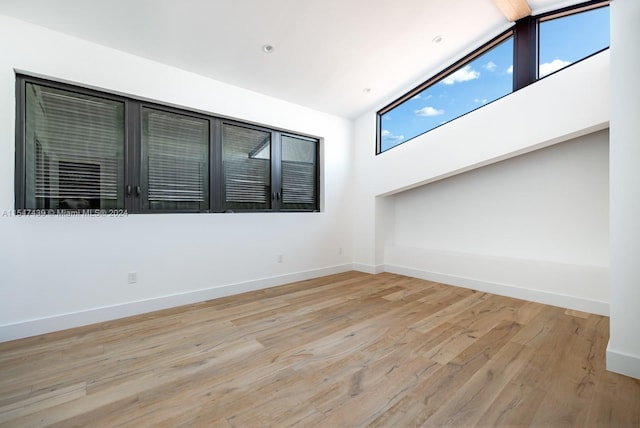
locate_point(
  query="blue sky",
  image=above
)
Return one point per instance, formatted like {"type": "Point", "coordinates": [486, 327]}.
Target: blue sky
{"type": "Point", "coordinates": [489, 77]}
{"type": "Point", "coordinates": [574, 37]}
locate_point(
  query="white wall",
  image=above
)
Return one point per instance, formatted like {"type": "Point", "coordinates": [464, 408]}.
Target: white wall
{"type": "Point", "coordinates": [551, 205]}
{"type": "Point", "coordinates": [563, 106]}
{"type": "Point", "coordinates": [501, 223]}
{"type": "Point", "coordinates": [58, 272]}
{"type": "Point", "coordinates": [623, 352]}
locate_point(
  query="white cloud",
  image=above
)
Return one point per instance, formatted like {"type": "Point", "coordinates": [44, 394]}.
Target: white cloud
{"type": "Point", "coordinates": [490, 66]}
{"type": "Point", "coordinates": [550, 67]}
{"type": "Point", "coordinates": [387, 135]}
{"type": "Point", "coordinates": [420, 97]}
{"type": "Point", "coordinates": [480, 101]}
{"type": "Point", "coordinates": [428, 112]}
{"type": "Point", "coordinates": [510, 69]}
{"type": "Point", "coordinates": [462, 75]}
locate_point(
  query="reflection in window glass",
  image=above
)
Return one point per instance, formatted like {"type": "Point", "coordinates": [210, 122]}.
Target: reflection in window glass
{"type": "Point", "coordinates": [74, 150]}
{"type": "Point", "coordinates": [299, 167]}
{"type": "Point", "coordinates": [477, 83]}
{"type": "Point", "coordinates": [568, 39]}
{"type": "Point", "coordinates": [247, 168]}
{"type": "Point", "coordinates": [175, 166]}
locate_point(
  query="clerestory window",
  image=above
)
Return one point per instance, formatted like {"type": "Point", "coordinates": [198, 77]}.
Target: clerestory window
{"type": "Point", "coordinates": [534, 48]}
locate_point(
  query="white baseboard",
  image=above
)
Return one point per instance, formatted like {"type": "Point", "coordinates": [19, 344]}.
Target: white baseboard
{"type": "Point", "coordinates": [372, 269]}
{"type": "Point", "coordinates": [34, 327]}
{"type": "Point", "coordinates": [625, 364]}
{"type": "Point", "coordinates": [509, 290]}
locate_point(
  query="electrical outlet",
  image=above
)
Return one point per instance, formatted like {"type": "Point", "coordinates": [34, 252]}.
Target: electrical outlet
{"type": "Point", "coordinates": [280, 258]}
{"type": "Point", "coordinates": [132, 277]}
{"type": "Point", "coordinates": [339, 250]}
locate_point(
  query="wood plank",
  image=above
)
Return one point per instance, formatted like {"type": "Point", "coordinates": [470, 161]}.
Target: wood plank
{"type": "Point", "coordinates": [350, 349]}
{"type": "Point", "coordinates": [43, 401]}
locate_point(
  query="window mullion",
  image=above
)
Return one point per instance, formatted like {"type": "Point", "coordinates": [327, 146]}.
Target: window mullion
{"type": "Point", "coordinates": [525, 52]}
{"type": "Point", "coordinates": [132, 156]}
{"type": "Point", "coordinates": [215, 167]}
{"type": "Point", "coordinates": [276, 171]}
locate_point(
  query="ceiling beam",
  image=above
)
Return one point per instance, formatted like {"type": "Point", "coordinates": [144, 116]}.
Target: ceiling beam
{"type": "Point", "coordinates": [513, 9]}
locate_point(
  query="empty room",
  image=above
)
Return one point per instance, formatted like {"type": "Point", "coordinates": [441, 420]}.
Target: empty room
{"type": "Point", "coordinates": [336, 213]}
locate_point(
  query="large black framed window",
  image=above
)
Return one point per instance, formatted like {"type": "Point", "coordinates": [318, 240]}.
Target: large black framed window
{"type": "Point", "coordinates": [81, 149]}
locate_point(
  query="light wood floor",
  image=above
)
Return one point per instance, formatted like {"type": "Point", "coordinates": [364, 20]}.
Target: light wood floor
{"type": "Point", "coordinates": [344, 350]}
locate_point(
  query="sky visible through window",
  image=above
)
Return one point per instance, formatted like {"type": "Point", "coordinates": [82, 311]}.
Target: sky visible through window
{"type": "Point", "coordinates": [563, 41]}
{"type": "Point", "coordinates": [566, 40]}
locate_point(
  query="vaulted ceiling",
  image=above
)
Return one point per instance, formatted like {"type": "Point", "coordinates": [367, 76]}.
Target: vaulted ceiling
{"type": "Point", "coordinates": [342, 57]}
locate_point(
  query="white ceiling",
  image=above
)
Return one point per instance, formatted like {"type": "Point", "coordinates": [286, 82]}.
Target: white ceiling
{"type": "Point", "coordinates": [326, 51]}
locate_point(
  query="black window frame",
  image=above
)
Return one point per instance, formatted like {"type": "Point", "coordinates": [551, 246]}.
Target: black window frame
{"type": "Point", "coordinates": [280, 162]}
{"type": "Point", "coordinates": [136, 166]}
{"type": "Point", "coordinates": [272, 179]}
{"type": "Point", "coordinates": [525, 33]}
{"type": "Point", "coordinates": [132, 152]}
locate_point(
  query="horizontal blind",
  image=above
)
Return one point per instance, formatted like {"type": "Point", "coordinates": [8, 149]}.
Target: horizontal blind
{"type": "Point", "coordinates": [298, 172]}
{"type": "Point", "coordinates": [247, 168]}
{"type": "Point", "coordinates": [75, 150]}
{"type": "Point", "coordinates": [75, 147]}
{"type": "Point", "coordinates": [298, 183]}
{"type": "Point", "coordinates": [176, 160]}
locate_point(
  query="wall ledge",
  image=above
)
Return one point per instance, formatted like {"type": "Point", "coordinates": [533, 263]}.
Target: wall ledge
{"type": "Point", "coordinates": [366, 268]}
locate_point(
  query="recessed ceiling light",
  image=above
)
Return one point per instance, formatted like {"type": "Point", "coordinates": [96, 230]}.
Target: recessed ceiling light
{"type": "Point", "coordinates": [437, 39]}
{"type": "Point", "coordinates": [267, 48]}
